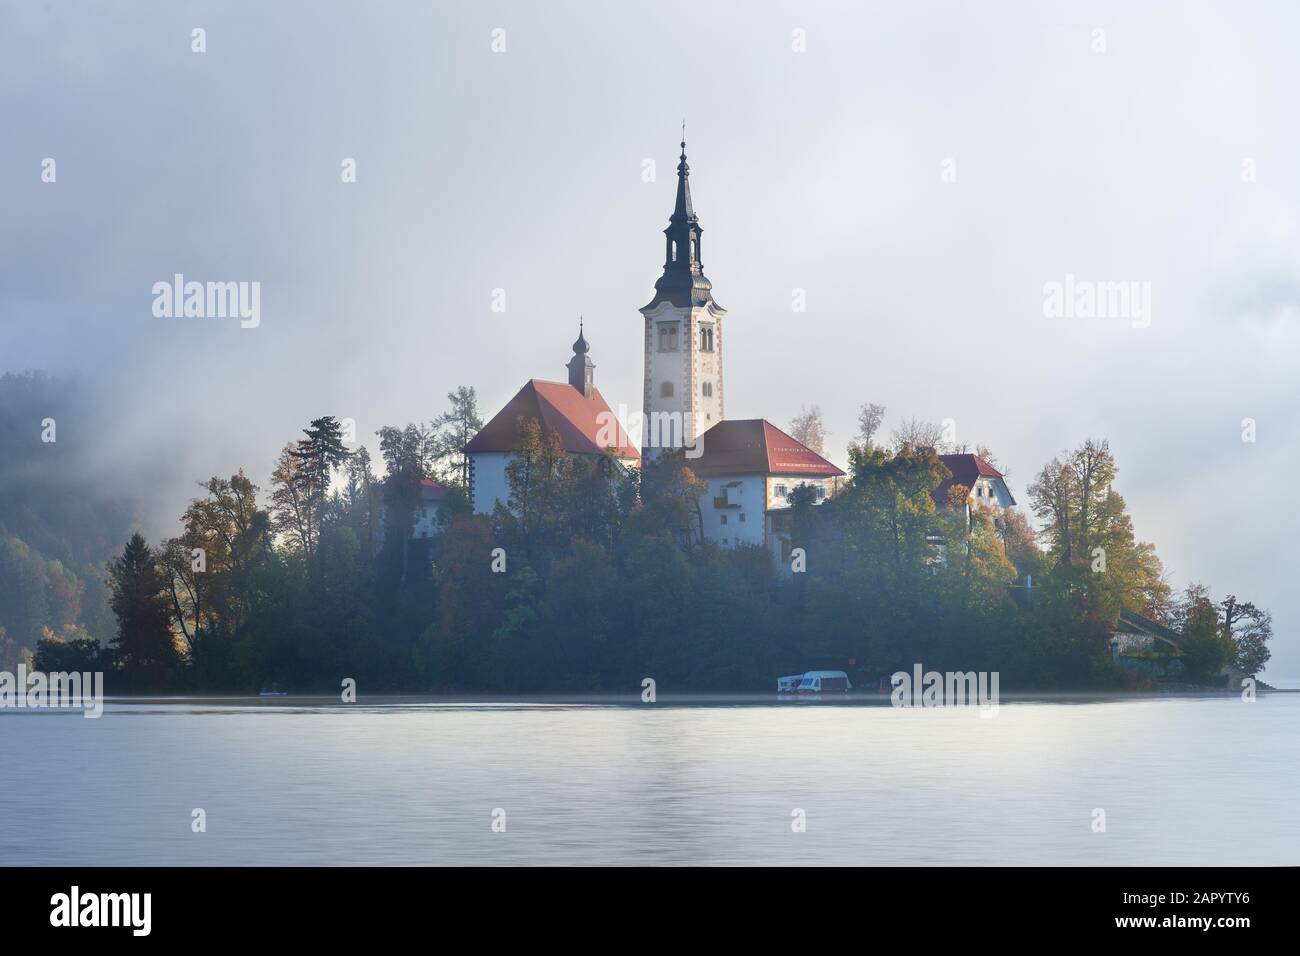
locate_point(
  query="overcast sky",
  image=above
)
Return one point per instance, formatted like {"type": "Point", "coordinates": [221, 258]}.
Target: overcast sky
{"type": "Point", "coordinates": [820, 170]}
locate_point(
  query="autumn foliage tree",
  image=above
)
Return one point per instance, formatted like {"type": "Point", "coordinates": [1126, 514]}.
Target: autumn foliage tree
{"type": "Point", "coordinates": [1089, 534]}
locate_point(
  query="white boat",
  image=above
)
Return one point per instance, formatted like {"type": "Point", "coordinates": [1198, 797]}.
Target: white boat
{"type": "Point", "coordinates": [814, 683]}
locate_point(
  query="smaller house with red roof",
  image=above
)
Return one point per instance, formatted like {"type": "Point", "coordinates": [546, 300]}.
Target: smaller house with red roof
{"type": "Point", "coordinates": [752, 467]}
{"type": "Point", "coordinates": [574, 410]}
{"type": "Point", "coordinates": [985, 485]}
{"type": "Point", "coordinates": [985, 488]}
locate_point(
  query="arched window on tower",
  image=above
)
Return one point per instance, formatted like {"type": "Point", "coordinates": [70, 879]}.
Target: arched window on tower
{"type": "Point", "coordinates": [707, 389]}
{"type": "Point", "coordinates": [666, 390]}
{"type": "Point", "coordinates": [674, 250]}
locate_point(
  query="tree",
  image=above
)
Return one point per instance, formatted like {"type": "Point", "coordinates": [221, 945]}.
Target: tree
{"type": "Point", "coordinates": [453, 430]}
{"type": "Point", "coordinates": [670, 500]}
{"type": "Point", "coordinates": [144, 647]}
{"type": "Point", "coordinates": [809, 428]}
{"type": "Point", "coordinates": [55, 654]}
{"type": "Point", "coordinates": [869, 418]}
{"type": "Point", "coordinates": [985, 452]}
{"type": "Point", "coordinates": [318, 455]}
{"type": "Point", "coordinates": [1089, 534]}
{"type": "Point", "coordinates": [1071, 494]}
{"type": "Point", "coordinates": [1206, 649]}
{"type": "Point", "coordinates": [1249, 629]}
{"type": "Point", "coordinates": [322, 450]}
{"type": "Point", "coordinates": [294, 485]}
{"type": "Point", "coordinates": [534, 475]}
{"type": "Point", "coordinates": [409, 455]}
{"type": "Point", "coordinates": [917, 433]}
{"type": "Point", "coordinates": [975, 569]}
{"type": "Point", "coordinates": [1021, 543]}
{"type": "Point", "coordinates": [359, 498]}
{"type": "Point", "coordinates": [207, 566]}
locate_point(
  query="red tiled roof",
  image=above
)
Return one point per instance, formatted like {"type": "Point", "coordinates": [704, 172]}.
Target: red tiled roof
{"type": "Point", "coordinates": [430, 490]}
{"type": "Point", "coordinates": [965, 470]}
{"type": "Point", "coordinates": [585, 425]}
{"type": "Point", "coordinates": [756, 446]}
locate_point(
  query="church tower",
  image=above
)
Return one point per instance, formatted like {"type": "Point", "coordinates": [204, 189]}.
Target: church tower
{"type": "Point", "coordinates": [581, 367]}
{"type": "Point", "coordinates": [683, 336]}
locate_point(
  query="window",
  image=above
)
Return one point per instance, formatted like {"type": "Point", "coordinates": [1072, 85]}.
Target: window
{"type": "Point", "coordinates": [707, 389]}
{"type": "Point", "coordinates": [706, 338]}
{"type": "Point", "coordinates": [780, 491]}
{"type": "Point", "coordinates": [668, 337]}
{"type": "Point", "coordinates": [666, 390]}
{"type": "Point", "coordinates": [742, 517]}
{"type": "Point", "coordinates": [821, 492]}
{"type": "Point", "coordinates": [724, 519]}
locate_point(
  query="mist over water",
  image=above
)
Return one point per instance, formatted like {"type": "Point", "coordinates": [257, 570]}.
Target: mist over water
{"type": "Point", "coordinates": [1181, 781]}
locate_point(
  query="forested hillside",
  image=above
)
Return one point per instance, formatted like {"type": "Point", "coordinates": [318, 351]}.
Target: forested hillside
{"type": "Point", "coordinates": [60, 520]}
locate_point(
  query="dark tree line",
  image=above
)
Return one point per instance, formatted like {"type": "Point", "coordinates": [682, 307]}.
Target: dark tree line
{"type": "Point", "coordinates": [592, 578]}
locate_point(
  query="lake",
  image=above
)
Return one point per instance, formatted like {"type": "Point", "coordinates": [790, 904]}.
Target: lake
{"type": "Point", "coordinates": [1180, 780]}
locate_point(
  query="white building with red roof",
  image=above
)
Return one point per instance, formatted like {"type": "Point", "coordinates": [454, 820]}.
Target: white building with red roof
{"type": "Point", "coordinates": [574, 410]}
{"type": "Point", "coordinates": [986, 487]}
{"type": "Point", "coordinates": [752, 468]}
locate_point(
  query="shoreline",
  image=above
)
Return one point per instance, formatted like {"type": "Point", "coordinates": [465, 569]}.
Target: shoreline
{"type": "Point", "coordinates": [669, 700]}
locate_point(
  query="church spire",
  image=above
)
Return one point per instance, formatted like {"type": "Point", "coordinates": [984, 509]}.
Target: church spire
{"type": "Point", "coordinates": [683, 282]}
{"type": "Point", "coordinates": [683, 211]}
{"type": "Point", "coordinates": [581, 367]}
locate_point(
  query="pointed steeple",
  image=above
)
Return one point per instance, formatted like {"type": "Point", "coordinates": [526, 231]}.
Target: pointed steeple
{"type": "Point", "coordinates": [581, 367]}
{"type": "Point", "coordinates": [683, 282]}
{"type": "Point", "coordinates": [683, 211]}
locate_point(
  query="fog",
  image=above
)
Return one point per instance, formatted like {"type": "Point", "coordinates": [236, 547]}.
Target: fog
{"type": "Point", "coordinates": [1167, 158]}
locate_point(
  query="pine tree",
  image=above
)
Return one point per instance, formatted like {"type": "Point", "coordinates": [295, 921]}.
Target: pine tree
{"type": "Point", "coordinates": [302, 482]}
{"type": "Point", "coordinates": [145, 647]}
{"type": "Point", "coordinates": [455, 427]}
{"type": "Point", "coordinates": [321, 452]}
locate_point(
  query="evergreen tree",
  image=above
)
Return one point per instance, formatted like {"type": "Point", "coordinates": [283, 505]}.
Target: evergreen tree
{"type": "Point", "coordinates": [318, 455]}
{"type": "Point", "coordinates": [453, 430]}
{"type": "Point", "coordinates": [322, 450]}
{"type": "Point", "coordinates": [144, 647]}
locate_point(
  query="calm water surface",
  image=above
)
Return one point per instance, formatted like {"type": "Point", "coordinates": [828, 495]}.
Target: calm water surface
{"type": "Point", "coordinates": [1182, 781]}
